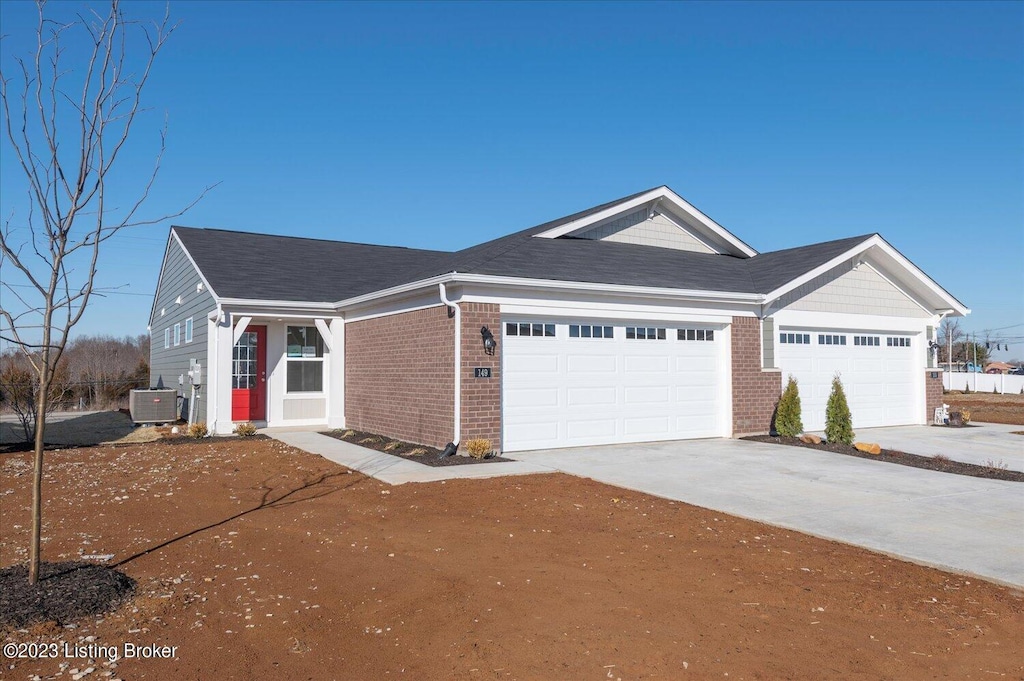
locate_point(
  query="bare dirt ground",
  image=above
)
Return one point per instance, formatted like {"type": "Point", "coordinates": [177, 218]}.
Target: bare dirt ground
{"type": "Point", "coordinates": [987, 407]}
{"type": "Point", "coordinates": [255, 560]}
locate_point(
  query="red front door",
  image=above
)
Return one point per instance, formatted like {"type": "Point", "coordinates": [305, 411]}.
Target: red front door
{"type": "Point", "coordinates": [249, 376]}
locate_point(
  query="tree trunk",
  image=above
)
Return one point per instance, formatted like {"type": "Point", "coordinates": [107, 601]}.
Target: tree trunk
{"type": "Point", "coordinates": [37, 481]}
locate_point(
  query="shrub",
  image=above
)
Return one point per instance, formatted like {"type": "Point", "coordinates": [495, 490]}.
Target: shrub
{"type": "Point", "coordinates": [246, 429]}
{"type": "Point", "coordinates": [198, 430]}
{"type": "Point", "coordinates": [478, 448]}
{"type": "Point", "coordinates": [787, 414]}
{"type": "Point", "coordinates": [965, 415]}
{"type": "Point", "coordinates": [392, 446]}
{"type": "Point", "coordinates": [419, 451]}
{"type": "Point", "coordinates": [838, 422]}
{"type": "Point", "coordinates": [967, 388]}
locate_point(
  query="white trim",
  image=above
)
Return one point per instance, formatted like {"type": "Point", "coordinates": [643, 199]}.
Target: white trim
{"type": "Point", "coordinates": [167, 338]}
{"type": "Point", "coordinates": [456, 438]}
{"type": "Point", "coordinates": [519, 310]}
{"type": "Point", "coordinates": [189, 330]}
{"type": "Point", "coordinates": [285, 304]}
{"type": "Point", "coordinates": [325, 332]}
{"type": "Point", "coordinates": [240, 327]}
{"type": "Point", "coordinates": [874, 241]}
{"type": "Point", "coordinates": [350, 318]}
{"type": "Point", "coordinates": [662, 193]}
{"type": "Point", "coordinates": [899, 288]}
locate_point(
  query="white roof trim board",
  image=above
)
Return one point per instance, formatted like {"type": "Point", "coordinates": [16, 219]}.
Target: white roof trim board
{"type": "Point", "coordinates": [919, 283]}
{"type": "Point", "coordinates": [670, 198]}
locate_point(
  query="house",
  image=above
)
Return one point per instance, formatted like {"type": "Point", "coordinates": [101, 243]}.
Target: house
{"type": "Point", "coordinates": [999, 368]}
{"type": "Point", "coordinates": [637, 320]}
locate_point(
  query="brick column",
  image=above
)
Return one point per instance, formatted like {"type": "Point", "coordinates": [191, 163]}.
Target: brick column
{"type": "Point", "coordinates": [481, 397]}
{"type": "Point", "coordinates": [755, 391]}
{"type": "Point", "coordinates": [932, 393]}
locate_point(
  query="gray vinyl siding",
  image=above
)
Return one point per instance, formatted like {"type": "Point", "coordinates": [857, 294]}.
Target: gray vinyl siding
{"type": "Point", "coordinates": [178, 278]}
{"type": "Point", "coordinates": [857, 291]}
{"type": "Point", "coordinates": [768, 343]}
{"type": "Point", "coordinates": [637, 228]}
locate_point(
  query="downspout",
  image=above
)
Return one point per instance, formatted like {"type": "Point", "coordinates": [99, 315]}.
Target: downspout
{"type": "Point", "coordinates": [216, 355]}
{"type": "Point", "coordinates": [458, 363]}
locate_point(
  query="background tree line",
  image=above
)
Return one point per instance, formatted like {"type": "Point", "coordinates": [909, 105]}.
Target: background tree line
{"type": "Point", "coordinates": [95, 372]}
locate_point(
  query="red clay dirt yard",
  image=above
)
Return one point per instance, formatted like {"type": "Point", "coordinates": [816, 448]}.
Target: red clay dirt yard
{"type": "Point", "coordinates": [256, 560]}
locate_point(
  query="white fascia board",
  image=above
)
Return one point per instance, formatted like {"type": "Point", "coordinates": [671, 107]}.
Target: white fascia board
{"type": "Point", "coordinates": [665, 194]}
{"type": "Point", "coordinates": [278, 307]}
{"type": "Point", "coordinates": [874, 241]}
{"type": "Point", "coordinates": [641, 291]}
{"type": "Point", "coordinates": [619, 313]}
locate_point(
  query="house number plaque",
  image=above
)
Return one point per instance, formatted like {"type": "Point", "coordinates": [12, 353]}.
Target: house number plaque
{"type": "Point", "coordinates": [481, 372]}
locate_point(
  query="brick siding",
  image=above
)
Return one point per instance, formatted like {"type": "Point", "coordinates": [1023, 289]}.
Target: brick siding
{"type": "Point", "coordinates": [481, 397]}
{"type": "Point", "coordinates": [754, 390]}
{"type": "Point", "coordinates": [399, 376]}
{"type": "Point", "coordinates": [932, 394]}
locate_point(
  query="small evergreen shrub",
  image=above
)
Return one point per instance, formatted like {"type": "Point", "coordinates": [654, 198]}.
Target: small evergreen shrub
{"type": "Point", "coordinates": [478, 448]}
{"type": "Point", "coordinates": [967, 388]}
{"type": "Point", "coordinates": [838, 422]}
{"type": "Point", "coordinates": [197, 430]}
{"type": "Point", "coordinates": [787, 414]}
{"type": "Point", "coordinates": [246, 429]}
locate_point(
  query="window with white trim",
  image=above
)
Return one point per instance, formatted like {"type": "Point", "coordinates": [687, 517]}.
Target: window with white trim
{"type": "Point", "coordinates": [644, 333]}
{"type": "Point", "coordinates": [591, 331]}
{"type": "Point", "coordinates": [897, 342]}
{"type": "Point", "coordinates": [795, 338]}
{"type": "Point", "coordinates": [188, 330]}
{"type": "Point", "coordinates": [177, 334]}
{"type": "Point", "coordinates": [866, 340]}
{"type": "Point", "coordinates": [167, 338]}
{"type": "Point", "coordinates": [695, 334]}
{"type": "Point", "coordinates": [529, 329]}
{"type": "Point", "coordinates": [304, 357]}
{"type": "Point", "coordinates": [831, 339]}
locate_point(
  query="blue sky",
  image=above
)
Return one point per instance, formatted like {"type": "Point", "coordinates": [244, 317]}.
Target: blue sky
{"type": "Point", "coordinates": [443, 125]}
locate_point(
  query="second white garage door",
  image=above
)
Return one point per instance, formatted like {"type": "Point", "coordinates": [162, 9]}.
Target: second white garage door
{"type": "Point", "coordinates": [587, 382]}
{"type": "Point", "coordinates": [879, 372]}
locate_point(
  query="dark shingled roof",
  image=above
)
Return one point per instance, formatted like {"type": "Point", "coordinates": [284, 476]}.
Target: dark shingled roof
{"type": "Point", "coordinates": [264, 267]}
{"type": "Point", "coordinates": [268, 267]}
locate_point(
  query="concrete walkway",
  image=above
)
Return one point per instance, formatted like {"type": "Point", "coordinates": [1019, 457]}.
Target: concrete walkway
{"type": "Point", "coordinates": [392, 469]}
{"type": "Point", "coordinates": [954, 522]}
{"type": "Point", "coordinates": [982, 443]}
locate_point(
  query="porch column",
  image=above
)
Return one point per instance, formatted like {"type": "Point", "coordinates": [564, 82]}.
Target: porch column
{"type": "Point", "coordinates": [218, 390]}
{"type": "Point", "coordinates": [336, 378]}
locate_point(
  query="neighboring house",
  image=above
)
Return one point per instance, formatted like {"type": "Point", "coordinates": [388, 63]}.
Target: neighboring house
{"type": "Point", "coordinates": [637, 320]}
{"type": "Point", "coordinates": [999, 368]}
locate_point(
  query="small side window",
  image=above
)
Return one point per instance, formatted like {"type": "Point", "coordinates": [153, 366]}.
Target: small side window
{"type": "Point", "coordinates": [188, 330]}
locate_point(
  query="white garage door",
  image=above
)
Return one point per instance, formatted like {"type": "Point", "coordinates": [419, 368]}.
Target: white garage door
{"type": "Point", "coordinates": [878, 371]}
{"type": "Point", "coordinates": [586, 382]}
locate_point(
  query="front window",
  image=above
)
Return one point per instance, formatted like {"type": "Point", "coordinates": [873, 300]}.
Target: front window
{"type": "Point", "coordinates": [305, 357]}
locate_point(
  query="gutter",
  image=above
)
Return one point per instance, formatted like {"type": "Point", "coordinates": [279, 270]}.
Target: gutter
{"type": "Point", "coordinates": [457, 436]}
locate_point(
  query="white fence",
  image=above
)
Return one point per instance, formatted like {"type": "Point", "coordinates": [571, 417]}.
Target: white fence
{"type": "Point", "coordinates": [983, 383]}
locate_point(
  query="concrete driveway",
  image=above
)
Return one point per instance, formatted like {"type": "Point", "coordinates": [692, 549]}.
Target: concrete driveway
{"type": "Point", "coordinates": [954, 522]}
{"type": "Point", "coordinates": [982, 443]}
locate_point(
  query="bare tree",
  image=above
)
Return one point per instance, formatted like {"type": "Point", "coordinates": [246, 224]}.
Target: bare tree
{"type": "Point", "coordinates": [68, 119]}
{"type": "Point", "coordinates": [950, 334]}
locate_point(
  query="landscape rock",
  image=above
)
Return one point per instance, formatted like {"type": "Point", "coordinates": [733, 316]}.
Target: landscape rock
{"type": "Point", "coordinates": [810, 439]}
{"type": "Point", "coordinates": [868, 447]}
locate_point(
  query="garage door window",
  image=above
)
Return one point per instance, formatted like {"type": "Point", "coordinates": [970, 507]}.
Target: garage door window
{"type": "Point", "coordinates": [590, 331]}
{"type": "Point", "coordinates": [644, 333]}
{"type": "Point", "coordinates": [795, 338]}
{"type": "Point", "coordinates": [831, 339]}
{"type": "Point", "coordinates": [695, 334]}
{"type": "Point", "coordinates": [530, 329]}
{"type": "Point", "coordinates": [865, 340]}
{"type": "Point", "coordinates": [897, 342]}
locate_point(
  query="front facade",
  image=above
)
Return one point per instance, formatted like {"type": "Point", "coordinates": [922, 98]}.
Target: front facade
{"type": "Point", "coordinates": [638, 320]}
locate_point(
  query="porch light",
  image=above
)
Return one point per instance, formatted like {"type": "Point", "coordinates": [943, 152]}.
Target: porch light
{"type": "Point", "coordinates": [489, 342]}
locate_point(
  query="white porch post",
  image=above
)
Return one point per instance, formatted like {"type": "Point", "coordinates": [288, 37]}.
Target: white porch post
{"type": "Point", "coordinates": [219, 389]}
{"type": "Point", "coordinates": [336, 379]}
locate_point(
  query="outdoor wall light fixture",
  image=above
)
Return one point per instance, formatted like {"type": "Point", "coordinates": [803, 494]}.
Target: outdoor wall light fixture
{"type": "Point", "coordinates": [489, 342]}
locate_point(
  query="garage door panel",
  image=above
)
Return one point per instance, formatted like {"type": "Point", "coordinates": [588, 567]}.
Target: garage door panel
{"type": "Point", "coordinates": [564, 392]}
{"type": "Point", "coordinates": [531, 364]}
{"type": "Point", "coordinates": [633, 364]}
{"type": "Point", "coordinates": [584, 364]}
{"type": "Point", "coordinates": [583, 396]}
{"type": "Point", "coordinates": [646, 395]}
{"type": "Point", "coordinates": [530, 398]}
{"type": "Point", "coordinates": [648, 426]}
{"type": "Point", "coordinates": [865, 366]}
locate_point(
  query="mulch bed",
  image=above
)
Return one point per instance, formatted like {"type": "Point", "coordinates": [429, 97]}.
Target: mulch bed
{"type": "Point", "coordinates": [183, 439]}
{"type": "Point", "coordinates": [931, 463]}
{"type": "Point", "coordinates": [64, 593]}
{"type": "Point", "coordinates": [404, 450]}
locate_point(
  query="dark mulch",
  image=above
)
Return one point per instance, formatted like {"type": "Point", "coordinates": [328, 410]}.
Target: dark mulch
{"type": "Point", "coordinates": [186, 440]}
{"type": "Point", "coordinates": [403, 450]}
{"type": "Point", "coordinates": [64, 593]}
{"type": "Point", "coordinates": [931, 463]}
